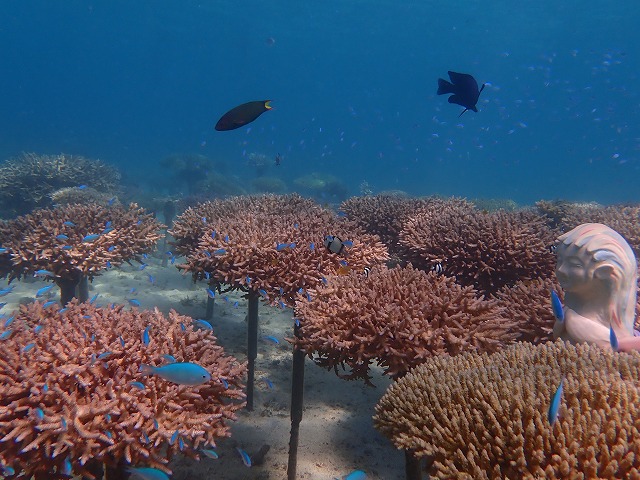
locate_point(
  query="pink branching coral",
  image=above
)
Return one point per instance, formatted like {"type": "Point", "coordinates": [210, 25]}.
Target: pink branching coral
{"type": "Point", "coordinates": [69, 389]}
{"type": "Point", "coordinates": [528, 303]}
{"type": "Point", "coordinates": [76, 240]}
{"type": "Point", "coordinates": [382, 215]}
{"type": "Point", "coordinates": [397, 317]}
{"type": "Point", "coordinates": [486, 250]}
{"type": "Point", "coordinates": [274, 244]}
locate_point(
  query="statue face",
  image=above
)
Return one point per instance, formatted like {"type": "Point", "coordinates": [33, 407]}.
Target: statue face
{"type": "Point", "coordinates": [573, 272]}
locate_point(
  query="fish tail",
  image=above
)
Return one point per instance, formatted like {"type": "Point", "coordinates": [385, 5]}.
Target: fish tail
{"type": "Point", "coordinates": [267, 104]}
{"type": "Point", "coordinates": [444, 87]}
{"type": "Point", "coordinates": [147, 369]}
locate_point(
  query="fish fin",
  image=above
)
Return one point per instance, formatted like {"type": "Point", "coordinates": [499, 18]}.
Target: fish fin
{"type": "Point", "coordinates": [267, 103]}
{"type": "Point", "coordinates": [481, 88]}
{"type": "Point", "coordinates": [463, 112]}
{"type": "Point", "coordinates": [444, 87]}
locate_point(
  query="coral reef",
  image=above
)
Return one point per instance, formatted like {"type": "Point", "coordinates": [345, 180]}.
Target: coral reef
{"type": "Point", "coordinates": [269, 185]}
{"type": "Point", "coordinates": [70, 195]}
{"type": "Point", "coordinates": [382, 215]}
{"type": "Point", "coordinates": [270, 243]}
{"type": "Point", "coordinates": [528, 303]}
{"type": "Point", "coordinates": [28, 181]}
{"type": "Point", "coordinates": [322, 186]}
{"type": "Point", "coordinates": [72, 391]}
{"type": "Point", "coordinates": [493, 204]}
{"type": "Point", "coordinates": [74, 241]}
{"type": "Point", "coordinates": [486, 250]}
{"type": "Point", "coordinates": [486, 416]}
{"type": "Point", "coordinates": [397, 317]}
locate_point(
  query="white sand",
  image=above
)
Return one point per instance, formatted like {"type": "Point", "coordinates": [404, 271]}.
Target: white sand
{"type": "Point", "coordinates": [336, 434]}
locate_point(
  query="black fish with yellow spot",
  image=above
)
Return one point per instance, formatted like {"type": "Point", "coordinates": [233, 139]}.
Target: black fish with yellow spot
{"type": "Point", "coordinates": [464, 88]}
{"type": "Point", "coordinates": [242, 115]}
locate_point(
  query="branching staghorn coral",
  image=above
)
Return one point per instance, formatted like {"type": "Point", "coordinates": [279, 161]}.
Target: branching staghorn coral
{"type": "Point", "coordinates": [528, 303]}
{"type": "Point", "coordinates": [398, 318]}
{"type": "Point", "coordinates": [479, 416]}
{"type": "Point", "coordinates": [382, 215]}
{"type": "Point", "coordinates": [272, 244]}
{"type": "Point", "coordinates": [75, 241]}
{"type": "Point", "coordinates": [68, 392]}
{"type": "Point", "coordinates": [27, 182]}
{"type": "Point", "coordinates": [486, 250]}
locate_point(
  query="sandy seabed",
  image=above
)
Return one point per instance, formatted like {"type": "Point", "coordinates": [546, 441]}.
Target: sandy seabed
{"type": "Point", "coordinates": [336, 433]}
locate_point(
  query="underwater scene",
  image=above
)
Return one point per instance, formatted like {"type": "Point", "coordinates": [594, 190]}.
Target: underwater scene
{"type": "Point", "coordinates": [337, 240]}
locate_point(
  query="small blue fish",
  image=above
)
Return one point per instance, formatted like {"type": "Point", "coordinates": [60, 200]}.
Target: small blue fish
{"type": "Point", "coordinates": [142, 266]}
{"type": "Point", "coordinates": [69, 224]}
{"type": "Point", "coordinates": [67, 469]}
{"type": "Point", "coordinates": [268, 382]}
{"type": "Point", "coordinates": [9, 321]}
{"type": "Point", "coordinates": [226, 239]}
{"type": "Point", "coordinates": [81, 187]}
{"type": "Point", "coordinates": [145, 336]}
{"type": "Point", "coordinates": [248, 280]}
{"type": "Point", "coordinates": [169, 253]}
{"type": "Point", "coordinates": [28, 347]}
{"type": "Point", "coordinates": [62, 236]}
{"type": "Point", "coordinates": [347, 243]}
{"type": "Point", "coordinates": [67, 247]}
{"type": "Point", "coordinates": [225, 384]}
{"type": "Point", "coordinates": [91, 237]}
{"type": "Point", "coordinates": [204, 324]}
{"type": "Point", "coordinates": [49, 303]}
{"type": "Point", "coordinates": [556, 306]}
{"type": "Point", "coordinates": [272, 338]}
{"type": "Point", "coordinates": [39, 414]}
{"type": "Point", "coordinates": [356, 475]}
{"type": "Point", "coordinates": [211, 293]}
{"type": "Point", "coordinates": [121, 341]}
{"type": "Point", "coordinates": [296, 225]}
{"type": "Point", "coordinates": [152, 279]}
{"type": "Point", "coordinates": [173, 438]}
{"type": "Point", "coordinates": [213, 235]}
{"type": "Point", "coordinates": [111, 201]}
{"type": "Point", "coordinates": [173, 260]}
{"type": "Point", "coordinates": [43, 290]}
{"type": "Point", "coordinates": [555, 404]}
{"type": "Point", "coordinates": [3, 250]}
{"type": "Point", "coordinates": [132, 291]}
{"type": "Point", "coordinates": [111, 248]}
{"type": "Point", "coordinates": [138, 385]}
{"type": "Point", "coordinates": [613, 339]}
{"type": "Point", "coordinates": [134, 302]}
{"type": "Point", "coordinates": [262, 292]}
{"type": "Point", "coordinates": [220, 251]}
{"type": "Point", "coordinates": [43, 273]}
{"type": "Point", "coordinates": [207, 275]}
{"type": "Point", "coordinates": [7, 470]}
{"type": "Point", "coordinates": [147, 473]}
{"type": "Point", "coordinates": [37, 329]}
{"type": "Point", "coordinates": [169, 358]}
{"type": "Point", "coordinates": [181, 373]}
{"type": "Point", "coordinates": [312, 246]}
{"type": "Point", "coordinates": [93, 299]}
{"type": "Point", "coordinates": [6, 334]}
{"type": "Point", "coordinates": [104, 356]}
{"type": "Point", "coordinates": [246, 459]}
{"type": "Point", "coordinates": [208, 254]}
{"type": "Point", "coordinates": [209, 452]}
{"type": "Point", "coordinates": [204, 220]}
{"type": "Point", "coordinates": [282, 246]}
{"type": "Point", "coordinates": [235, 304]}
{"type": "Point", "coordinates": [6, 291]}
{"type": "Point", "coordinates": [3, 304]}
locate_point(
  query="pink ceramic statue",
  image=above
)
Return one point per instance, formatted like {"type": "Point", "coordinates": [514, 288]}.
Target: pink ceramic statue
{"type": "Point", "coordinates": [598, 273]}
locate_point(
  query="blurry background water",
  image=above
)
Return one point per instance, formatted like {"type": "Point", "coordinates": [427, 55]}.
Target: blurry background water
{"type": "Point", "coordinates": [353, 87]}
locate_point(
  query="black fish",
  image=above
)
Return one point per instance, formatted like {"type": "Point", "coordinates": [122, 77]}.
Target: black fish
{"type": "Point", "coordinates": [464, 88]}
{"type": "Point", "coordinates": [242, 114]}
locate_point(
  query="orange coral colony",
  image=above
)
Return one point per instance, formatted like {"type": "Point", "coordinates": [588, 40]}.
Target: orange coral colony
{"type": "Point", "coordinates": [75, 241]}
{"type": "Point", "coordinates": [72, 391]}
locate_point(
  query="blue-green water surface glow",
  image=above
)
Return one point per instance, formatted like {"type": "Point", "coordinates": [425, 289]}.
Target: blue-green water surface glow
{"type": "Point", "coordinates": [353, 85]}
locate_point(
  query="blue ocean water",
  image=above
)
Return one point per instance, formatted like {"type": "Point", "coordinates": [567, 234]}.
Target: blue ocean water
{"type": "Point", "coordinates": [352, 84]}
